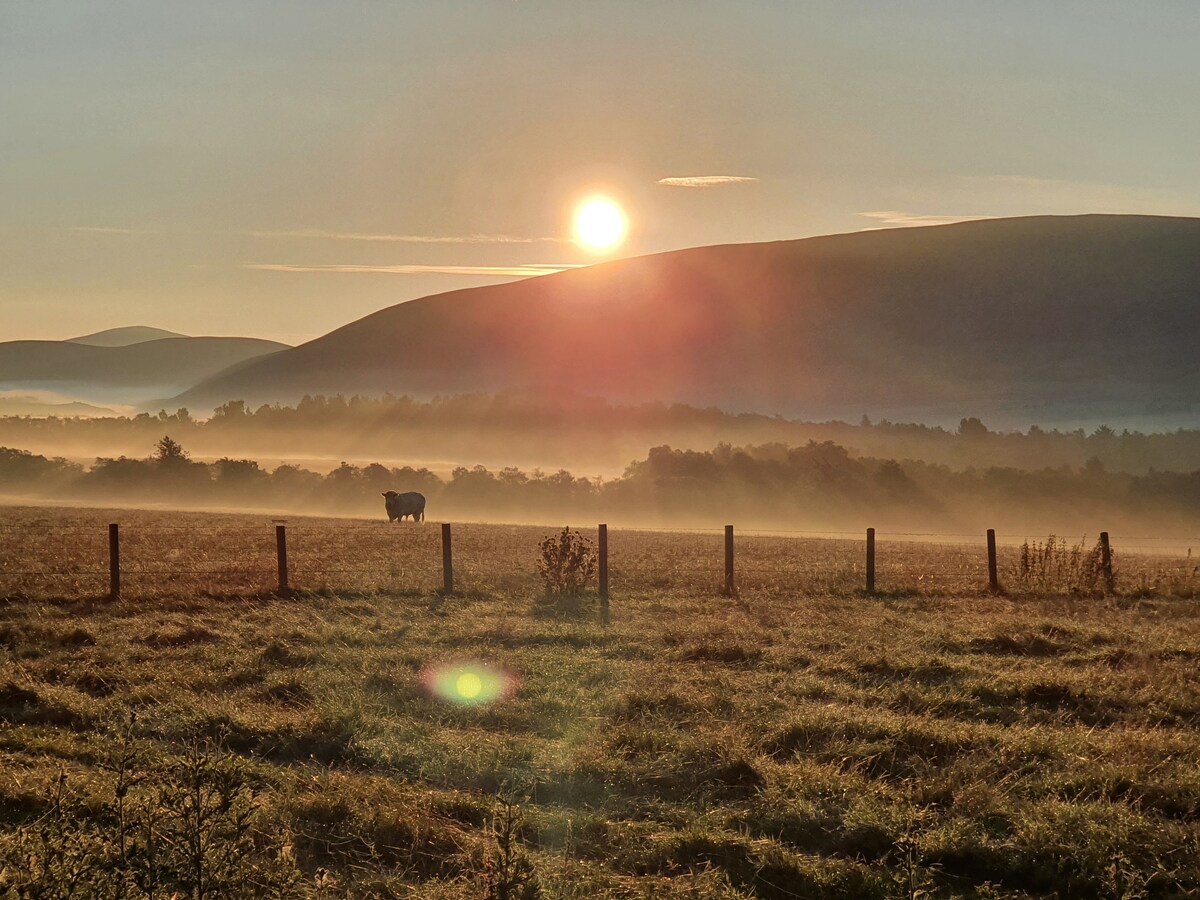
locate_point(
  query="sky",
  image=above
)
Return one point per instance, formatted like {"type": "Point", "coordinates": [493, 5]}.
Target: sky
{"type": "Point", "coordinates": [281, 169]}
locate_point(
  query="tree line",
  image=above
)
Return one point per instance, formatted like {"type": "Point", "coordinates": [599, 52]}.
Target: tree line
{"type": "Point", "coordinates": [817, 485]}
{"type": "Point", "coordinates": [588, 432]}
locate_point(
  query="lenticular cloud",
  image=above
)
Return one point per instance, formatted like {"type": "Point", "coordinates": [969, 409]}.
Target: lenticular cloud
{"type": "Point", "coordinates": [704, 181]}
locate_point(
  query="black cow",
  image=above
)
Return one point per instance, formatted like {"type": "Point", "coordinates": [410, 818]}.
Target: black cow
{"type": "Point", "coordinates": [409, 503]}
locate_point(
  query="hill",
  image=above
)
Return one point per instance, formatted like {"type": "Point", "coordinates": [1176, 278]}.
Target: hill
{"type": "Point", "coordinates": [48, 404]}
{"type": "Point", "coordinates": [123, 337]}
{"type": "Point", "coordinates": [1027, 319]}
{"type": "Point", "coordinates": [122, 374]}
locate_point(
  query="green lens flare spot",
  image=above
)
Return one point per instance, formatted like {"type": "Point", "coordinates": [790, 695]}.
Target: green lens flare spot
{"type": "Point", "coordinates": [468, 683]}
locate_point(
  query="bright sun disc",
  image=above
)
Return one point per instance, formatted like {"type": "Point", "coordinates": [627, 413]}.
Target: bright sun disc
{"type": "Point", "coordinates": [599, 224]}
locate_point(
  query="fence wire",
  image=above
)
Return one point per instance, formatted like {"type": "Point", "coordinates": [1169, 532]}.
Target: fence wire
{"type": "Point", "coordinates": [237, 555]}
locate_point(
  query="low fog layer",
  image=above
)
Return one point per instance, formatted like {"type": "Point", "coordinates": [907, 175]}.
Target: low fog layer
{"type": "Point", "coordinates": [124, 374]}
{"type": "Point", "coordinates": [585, 436]}
{"type": "Point", "coordinates": [819, 485]}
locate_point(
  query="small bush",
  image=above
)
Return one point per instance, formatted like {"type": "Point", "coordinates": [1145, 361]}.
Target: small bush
{"type": "Point", "coordinates": [567, 563]}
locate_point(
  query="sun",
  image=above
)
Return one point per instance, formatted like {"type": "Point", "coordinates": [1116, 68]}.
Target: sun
{"type": "Point", "coordinates": [600, 224]}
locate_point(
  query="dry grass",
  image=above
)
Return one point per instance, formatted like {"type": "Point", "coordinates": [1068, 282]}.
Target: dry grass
{"type": "Point", "coordinates": [799, 740]}
{"type": "Point", "coordinates": [54, 553]}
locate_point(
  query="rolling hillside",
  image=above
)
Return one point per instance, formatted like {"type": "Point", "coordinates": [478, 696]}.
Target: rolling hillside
{"type": "Point", "coordinates": [1022, 319]}
{"type": "Point", "coordinates": [127, 374]}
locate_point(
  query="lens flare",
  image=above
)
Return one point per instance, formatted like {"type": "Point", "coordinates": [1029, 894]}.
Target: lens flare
{"type": "Point", "coordinates": [468, 683]}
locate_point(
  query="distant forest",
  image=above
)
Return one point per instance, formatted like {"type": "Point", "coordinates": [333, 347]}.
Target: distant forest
{"type": "Point", "coordinates": [580, 434]}
{"type": "Point", "coordinates": [814, 486]}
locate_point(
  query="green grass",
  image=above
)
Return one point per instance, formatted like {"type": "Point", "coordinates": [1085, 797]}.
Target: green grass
{"type": "Point", "coordinates": [787, 743]}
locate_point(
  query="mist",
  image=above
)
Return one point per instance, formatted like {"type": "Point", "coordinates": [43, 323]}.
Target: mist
{"type": "Point", "coordinates": [775, 485]}
{"type": "Point", "coordinates": [586, 436]}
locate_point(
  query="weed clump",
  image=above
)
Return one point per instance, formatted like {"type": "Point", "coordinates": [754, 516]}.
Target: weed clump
{"type": "Point", "coordinates": [566, 564]}
{"type": "Point", "coordinates": [508, 873]}
{"type": "Point", "coordinates": [1056, 567]}
{"type": "Point", "coordinates": [190, 827]}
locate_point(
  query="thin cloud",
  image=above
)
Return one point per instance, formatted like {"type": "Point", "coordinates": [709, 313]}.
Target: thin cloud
{"type": "Point", "coordinates": [706, 181]}
{"type": "Point", "coordinates": [104, 229]}
{"type": "Point", "coordinates": [399, 238]}
{"type": "Point", "coordinates": [525, 270]}
{"type": "Point", "coordinates": [323, 234]}
{"type": "Point", "coordinates": [900, 219]}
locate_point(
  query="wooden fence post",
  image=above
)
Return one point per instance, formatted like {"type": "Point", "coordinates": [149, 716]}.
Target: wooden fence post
{"type": "Point", "coordinates": [281, 555]}
{"type": "Point", "coordinates": [603, 545]}
{"type": "Point", "coordinates": [993, 574]}
{"type": "Point", "coordinates": [1106, 563]}
{"type": "Point", "coordinates": [870, 560]}
{"type": "Point", "coordinates": [447, 561]}
{"type": "Point", "coordinates": [114, 561]}
{"type": "Point", "coordinates": [730, 588]}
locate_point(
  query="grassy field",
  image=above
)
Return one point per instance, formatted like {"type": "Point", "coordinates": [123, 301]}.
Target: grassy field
{"type": "Point", "coordinates": [204, 737]}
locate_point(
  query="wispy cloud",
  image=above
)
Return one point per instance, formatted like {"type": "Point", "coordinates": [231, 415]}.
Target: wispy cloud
{"type": "Point", "coordinates": [525, 270]}
{"type": "Point", "coordinates": [901, 219]}
{"type": "Point", "coordinates": [706, 181]}
{"type": "Point", "coordinates": [400, 238]}
{"type": "Point", "coordinates": [330, 235]}
{"type": "Point", "coordinates": [105, 229]}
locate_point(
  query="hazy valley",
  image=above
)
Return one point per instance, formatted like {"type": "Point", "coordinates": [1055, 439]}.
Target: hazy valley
{"type": "Point", "coordinates": [127, 367]}
{"type": "Point", "coordinates": [794, 731]}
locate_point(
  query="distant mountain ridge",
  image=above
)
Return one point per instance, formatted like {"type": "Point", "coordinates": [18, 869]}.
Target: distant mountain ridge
{"type": "Point", "coordinates": [1019, 318]}
{"type": "Point", "coordinates": [14, 404]}
{"type": "Point", "coordinates": [123, 337]}
{"type": "Point", "coordinates": [124, 374]}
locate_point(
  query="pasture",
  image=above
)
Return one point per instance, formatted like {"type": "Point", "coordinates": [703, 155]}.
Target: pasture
{"type": "Point", "coordinates": [207, 737]}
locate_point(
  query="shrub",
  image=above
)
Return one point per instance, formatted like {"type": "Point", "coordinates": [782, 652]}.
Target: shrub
{"type": "Point", "coordinates": [567, 562]}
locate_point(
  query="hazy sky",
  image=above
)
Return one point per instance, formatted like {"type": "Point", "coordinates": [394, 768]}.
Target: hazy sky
{"type": "Point", "coordinates": [279, 169]}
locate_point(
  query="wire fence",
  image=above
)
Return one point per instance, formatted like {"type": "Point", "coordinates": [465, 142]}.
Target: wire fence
{"type": "Point", "coordinates": [233, 555]}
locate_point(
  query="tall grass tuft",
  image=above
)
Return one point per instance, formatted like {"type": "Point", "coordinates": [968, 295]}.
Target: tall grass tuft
{"type": "Point", "coordinates": [1056, 567]}
{"type": "Point", "coordinates": [1180, 580]}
